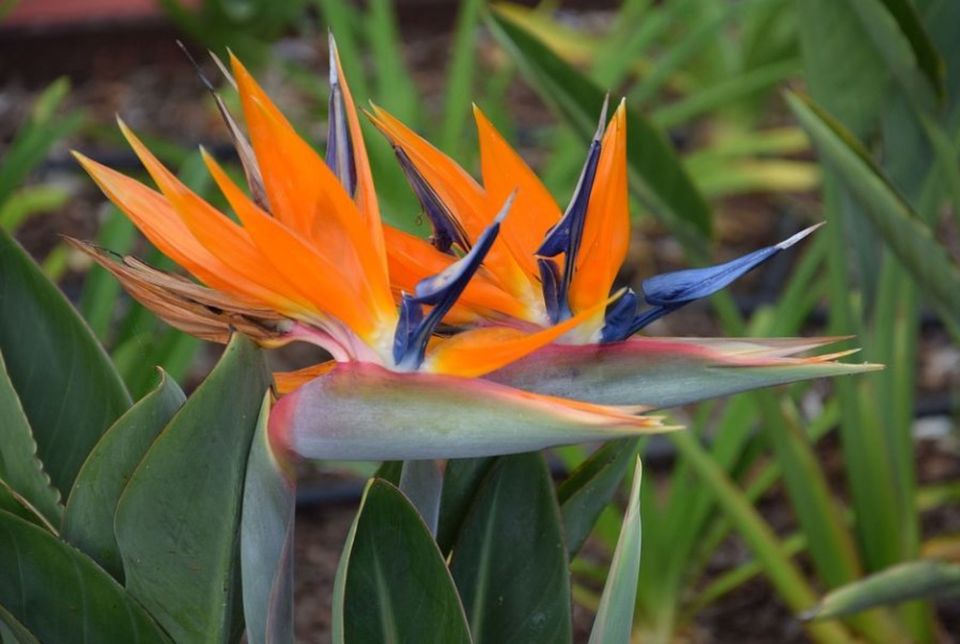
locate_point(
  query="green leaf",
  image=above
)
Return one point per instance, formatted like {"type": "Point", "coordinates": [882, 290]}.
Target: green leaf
{"type": "Point", "coordinates": [178, 518]}
{"type": "Point", "coordinates": [392, 584]}
{"type": "Point", "coordinates": [266, 539]}
{"type": "Point", "coordinates": [910, 239]}
{"type": "Point", "coordinates": [510, 561]}
{"type": "Point", "coordinates": [20, 468]}
{"type": "Point", "coordinates": [461, 480]}
{"type": "Point", "coordinates": [92, 505]}
{"type": "Point", "coordinates": [781, 571]}
{"type": "Point", "coordinates": [928, 58]}
{"type": "Point", "coordinates": [59, 595]}
{"type": "Point", "coordinates": [614, 620]}
{"type": "Point", "coordinates": [656, 172]}
{"type": "Point", "coordinates": [590, 488]}
{"type": "Point", "coordinates": [34, 139]}
{"type": "Point", "coordinates": [69, 390]}
{"type": "Point", "coordinates": [856, 57]}
{"type": "Point", "coordinates": [900, 583]}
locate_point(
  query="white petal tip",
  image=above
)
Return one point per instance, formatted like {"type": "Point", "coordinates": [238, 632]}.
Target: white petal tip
{"type": "Point", "coordinates": [787, 243]}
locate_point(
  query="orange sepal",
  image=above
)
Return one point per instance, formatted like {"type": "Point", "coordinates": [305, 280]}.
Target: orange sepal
{"type": "Point", "coordinates": [305, 194]}
{"type": "Point", "coordinates": [161, 223]}
{"type": "Point", "coordinates": [504, 172]}
{"type": "Point", "coordinates": [467, 201]}
{"type": "Point", "coordinates": [288, 381]}
{"type": "Point", "coordinates": [322, 283]}
{"type": "Point", "coordinates": [606, 233]}
{"type": "Point", "coordinates": [477, 352]}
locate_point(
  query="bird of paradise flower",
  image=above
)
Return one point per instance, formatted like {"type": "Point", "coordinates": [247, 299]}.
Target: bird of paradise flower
{"type": "Point", "coordinates": [310, 260]}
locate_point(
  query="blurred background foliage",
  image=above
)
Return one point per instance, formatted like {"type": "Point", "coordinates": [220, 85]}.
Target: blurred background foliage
{"type": "Point", "coordinates": [748, 119]}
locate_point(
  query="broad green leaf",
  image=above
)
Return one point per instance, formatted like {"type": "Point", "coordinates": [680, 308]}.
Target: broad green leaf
{"type": "Point", "coordinates": [614, 620]}
{"type": "Point", "coordinates": [14, 503]}
{"type": "Point", "coordinates": [60, 595]}
{"type": "Point", "coordinates": [392, 584]}
{"type": "Point", "coordinates": [461, 480]}
{"type": "Point", "coordinates": [178, 518]}
{"type": "Point", "coordinates": [656, 172]}
{"type": "Point", "coordinates": [904, 582]}
{"type": "Point", "coordinates": [905, 233]}
{"type": "Point", "coordinates": [20, 468]}
{"type": "Point", "coordinates": [92, 505]}
{"type": "Point", "coordinates": [266, 539]}
{"type": "Point", "coordinates": [510, 560]}
{"type": "Point", "coordinates": [69, 390]}
{"type": "Point", "coordinates": [591, 487]}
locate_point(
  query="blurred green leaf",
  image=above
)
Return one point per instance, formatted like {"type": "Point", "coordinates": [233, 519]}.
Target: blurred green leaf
{"type": "Point", "coordinates": [591, 487]}
{"type": "Point", "coordinates": [29, 201]}
{"type": "Point", "coordinates": [783, 574]}
{"type": "Point", "coordinates": [178, 518]}
{"type": "Point", "coordinates": [510, 560]}
{"type": "Point", "coordinates": [266, 539]}
{"type": "Point", "coordinates": [904, 582]}
{"type": "Point", "coordinates": [392, 584]}
{"type": "Point", "coordinates": [69, 390]}
{"type": "Point", "coordinates": [459, 81]}
{"type": "Point", "coordinates": [927, 56]}
{"type": "Point", "coordinates": [656, 172]}
{"type": "Point", "coordinates": [905, 233]}
{"type": "Point", "coordinates": [32, 142]}
{"type": "Point", "coordinates": [59, 595]}
{"type": "Point", "coordinates": [98, 299]}
{"type": "Point", "coordinates": [92, 505]}
{"type": "Point", "coordinates": [20, 468]}
{"type": "Point", "coordinates": [461, 481]}
{"type": "Point", "coordinates": [614, 619]}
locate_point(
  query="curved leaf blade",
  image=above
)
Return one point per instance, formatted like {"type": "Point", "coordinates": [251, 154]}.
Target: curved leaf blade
{"type": "Point", "coordinates": [266, 539]}
{"type": "Point", "coordinates": [904, 232]}
{"type": "Point", "coordinates": [656, 172]}
{"type": "Point", "coordinates": [65, 381]}
{"type": "Point", "coordinates": [614, 620]}
{"type": "Point", "coordinates": [510, 561]}
{"type": "Point", "coordinates": [590, 488]}
{"type": "Point", "coordinates": [392, 584]}
{"type": "Point", "coordinates": [56, 580]}
{"type": "Point", "coordinates": [461, 480]}
{"type": "Point", "coordinates": [20, 468]}
{"type": "Point", "coordinates": [900, 583]}
{"type": "Point", "coordinates": [92, 505]}
{"type": "Point", "coordinates": [178, 518]}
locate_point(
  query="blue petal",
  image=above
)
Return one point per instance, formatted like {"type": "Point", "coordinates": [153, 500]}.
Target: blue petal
{"type": "Point", "coordinates": [446, 230]}
{"type": "Point", "coordinates": [550, 286]}
{"type": "Point", "coordinates": [619, 317]}
{"type": "Point", "coordinates": [566, 236]}
{"type": "Point", "coordinates": [441, 292]}
{"type": "Point", "coordinates": [680, 287]}
{"type": "Point", "coordinates": [668, 292]}
{"type": "Point", "coordinates": [339, 155]}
